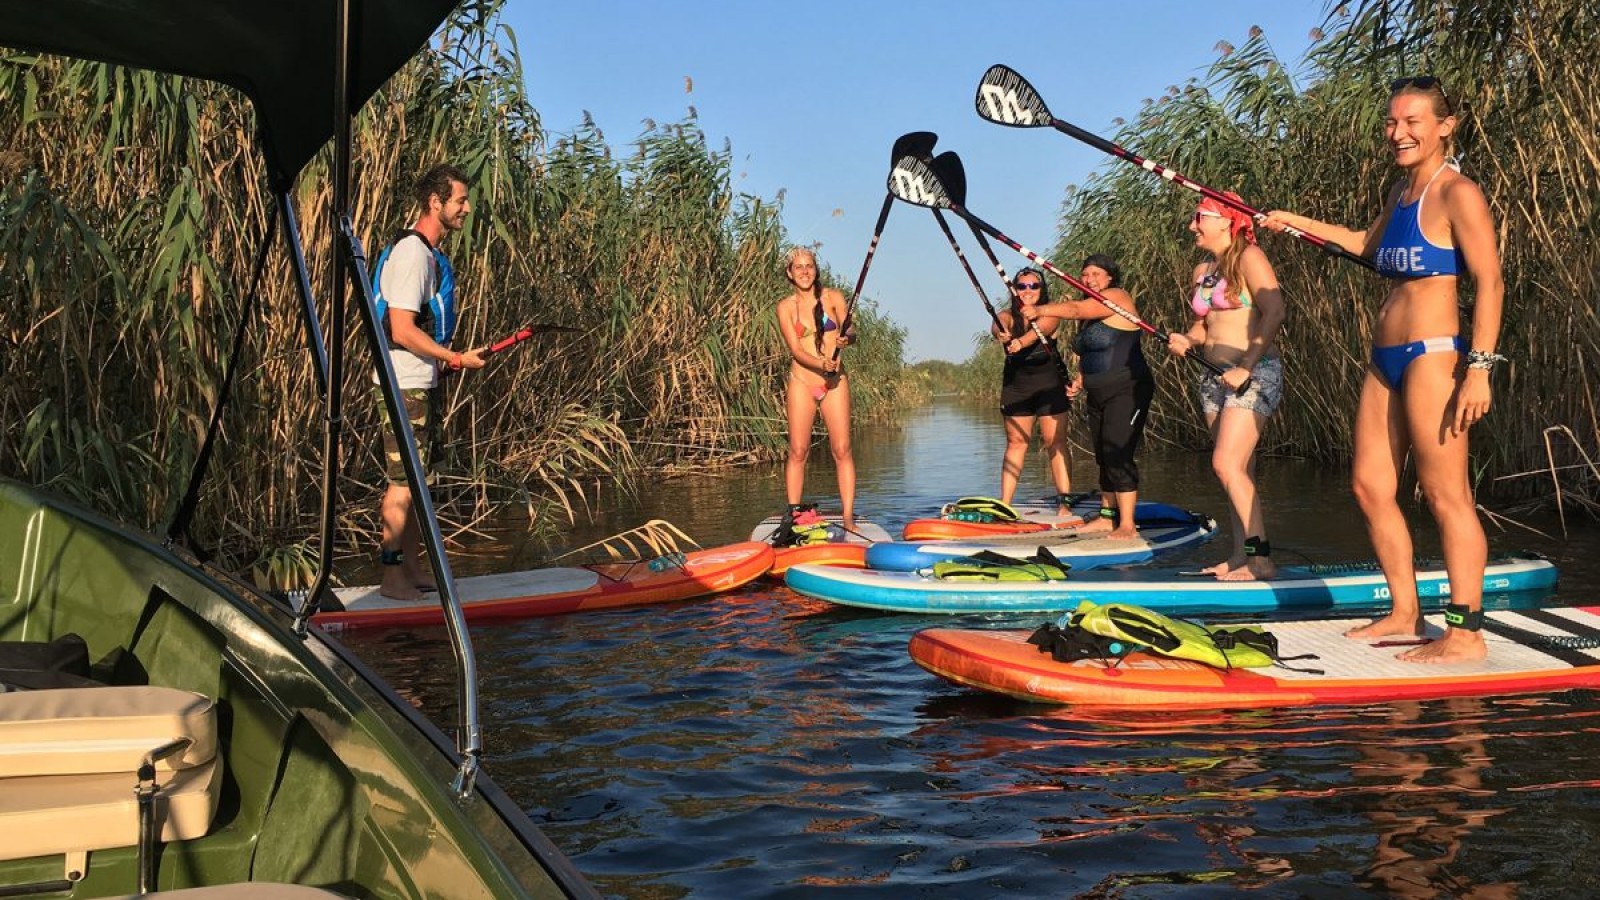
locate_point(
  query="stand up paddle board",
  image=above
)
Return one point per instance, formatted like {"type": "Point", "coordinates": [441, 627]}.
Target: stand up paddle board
{"type": "Point", "coordinates": [1037, 515]}
{"type": "Point", "coordinates": [1166, 590]}
{"type": "Point", "coordinates": [1081, 551]}
{"type": "Point", "coordinates": [547, 592]}
{"type": "Point", "coordinates": [850, 550]}
{"type": "Point", "coordinates": [1530, 651]}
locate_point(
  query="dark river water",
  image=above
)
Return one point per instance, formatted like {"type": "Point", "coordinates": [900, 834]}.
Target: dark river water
{"type": "Point", "coordinates": [760, 744]}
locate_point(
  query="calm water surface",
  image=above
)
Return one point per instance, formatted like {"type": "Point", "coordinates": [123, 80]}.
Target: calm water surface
{"type": "Point", "coordinates": [760, 744]}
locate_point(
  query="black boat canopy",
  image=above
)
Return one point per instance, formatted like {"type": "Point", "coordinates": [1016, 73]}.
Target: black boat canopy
{"type": "Point", "coordinates": [280, 53]}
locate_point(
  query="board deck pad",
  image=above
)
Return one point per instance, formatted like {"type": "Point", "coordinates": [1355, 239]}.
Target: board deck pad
{"type": "Point", "coordinates": [865, 531]}
{"type": "Point", "coordinates": [1081, 551]}
{"type": "Point", "coordinates": [1530, 650]}
{"type": "Point", "coordinates": [561, 589]}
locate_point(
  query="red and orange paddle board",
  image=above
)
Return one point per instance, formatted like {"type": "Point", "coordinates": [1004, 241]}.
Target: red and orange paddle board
{"type": "Point", "coordinates": [1530, 651]}
{"type": "Point", "coordinates": [547, 592]}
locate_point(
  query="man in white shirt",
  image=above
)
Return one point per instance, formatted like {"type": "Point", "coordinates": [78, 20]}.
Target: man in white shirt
{"type": "Point", "coordinates": [415, 289]}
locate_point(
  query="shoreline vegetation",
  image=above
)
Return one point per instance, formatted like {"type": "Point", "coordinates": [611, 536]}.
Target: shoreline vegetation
{"type": "Point", "coordinates": [672, 275]}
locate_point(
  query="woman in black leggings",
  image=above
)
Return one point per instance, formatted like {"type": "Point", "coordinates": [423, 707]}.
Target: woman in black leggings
{"type": "Point", "coordinates": [1118, 386]}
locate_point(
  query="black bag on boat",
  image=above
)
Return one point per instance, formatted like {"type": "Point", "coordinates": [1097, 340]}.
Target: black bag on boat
{"type": "Point", "coordinates": [40, 665]}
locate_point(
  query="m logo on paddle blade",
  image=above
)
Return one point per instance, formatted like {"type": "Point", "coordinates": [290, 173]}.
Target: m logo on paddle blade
{"type": "Point", "coordinates": [911, 181]}
{"type": "Point", "coordinates": [1003, 106]}
{"type": "Point", "coordinates": [1006, 98]}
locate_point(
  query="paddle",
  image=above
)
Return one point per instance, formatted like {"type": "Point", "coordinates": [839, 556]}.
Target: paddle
{"type": "Point", "coordinates": [1006, 98]}
{"type": "Point", "coordinates": [954, 176]}
{"type": "Point", "coordinates": [915, 143]}
{"type": "Point", "coordinates": [913, 181]}
{"type": "Point", "coordinates": [523, 334]}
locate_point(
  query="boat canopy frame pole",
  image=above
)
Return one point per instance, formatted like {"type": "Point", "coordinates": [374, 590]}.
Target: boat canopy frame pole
{"type": "Point", "coordinates": [306, 604]}
{"type": "Point", "coordinates": [308, 303]}
{"type": "Point", "coordinates": [349, 268]}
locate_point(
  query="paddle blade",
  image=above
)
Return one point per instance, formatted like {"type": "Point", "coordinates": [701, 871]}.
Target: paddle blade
{"type": "Point", "coordinates": [1006, 98]}
{"type": "Point", "coordinates": [915, 143]}
{"type": "Point", "coordinates": [914, 182]}
{"type": "Point", "coordinates": [952, 175]}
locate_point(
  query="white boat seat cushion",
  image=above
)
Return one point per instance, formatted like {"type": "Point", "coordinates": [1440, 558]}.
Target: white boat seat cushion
{"type": "Point", "coordinates": [69, 763]}
{"type": "Point", "coordinates": [82, 731]}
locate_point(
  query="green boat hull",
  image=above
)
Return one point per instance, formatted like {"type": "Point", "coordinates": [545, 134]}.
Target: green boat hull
{"type": "Point", "coordinates": [331, 778]}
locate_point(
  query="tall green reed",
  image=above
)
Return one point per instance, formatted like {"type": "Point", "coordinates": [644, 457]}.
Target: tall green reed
{"type": "Point", "coordinates": [132, 201]}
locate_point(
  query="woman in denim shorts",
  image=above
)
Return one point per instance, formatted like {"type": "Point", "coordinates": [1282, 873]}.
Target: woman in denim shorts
{"type": "Point", "coordinates": [1237, 311]}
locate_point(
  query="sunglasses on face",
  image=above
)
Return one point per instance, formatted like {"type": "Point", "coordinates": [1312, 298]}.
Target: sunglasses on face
{"type": "Point", "coordinates": [1423, 83]}
{"type": "Point", "coordinates": [1204, 214]}
{"type": "Point", "coordinates": [1029, 285]}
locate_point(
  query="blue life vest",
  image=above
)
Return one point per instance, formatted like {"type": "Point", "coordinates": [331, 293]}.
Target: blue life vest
{"type": "Point", "coordinates": [438, 314]}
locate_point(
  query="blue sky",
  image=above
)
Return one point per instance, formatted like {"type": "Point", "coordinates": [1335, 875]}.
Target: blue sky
{"type": "Point", "coordinates": [812, 96]}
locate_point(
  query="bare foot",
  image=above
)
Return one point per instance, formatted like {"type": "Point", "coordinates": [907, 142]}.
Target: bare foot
{"type": "Point", "coordinates": [1255, 568]}
{"type": "Point", "coordinates": [1124, 534]}
{"type": "Point", "coordinates": [1388, 626]}
{"type": "Point", "coordinates": [1457, 645]}
{"type": "Point", "coordinates": [423, 581]}
{"type": "Point", "coordinates": [396, 586]}
{"type": "Point", "coordinates": [1222, 568]}
{"type": "Point", "coordinates": [1095, 526]}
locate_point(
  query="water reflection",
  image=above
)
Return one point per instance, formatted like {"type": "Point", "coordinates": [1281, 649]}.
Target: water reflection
{"type": "Point", "coordinates": [766, 745]}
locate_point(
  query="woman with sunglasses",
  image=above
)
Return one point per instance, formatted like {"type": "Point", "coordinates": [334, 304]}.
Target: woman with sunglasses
{"type": "Point", "coordinates": [1238, 310]}
{"type": "Point", "coordinates": [1423, 387]}
{"type": "Point", "coordinates": [1032, 389]}
{"type": "Point", "coordinates": [1117, 387]}
{"type": "Point", "coordinates": [809, 321]}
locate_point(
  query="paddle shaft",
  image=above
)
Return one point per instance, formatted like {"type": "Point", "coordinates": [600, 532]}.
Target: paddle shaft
{"type": "Point", "coordinates": [988, 251]}
{"type": "Point", "coordinates": [522, 334]}
{"type": "Point", "coordinates": [1090, 292]}
{"type": "Point", "coordinates": [509, 341]}
{"type": "Point", "coordinates": [971, 275]}
{"type": "Point", "coordinates": [872, 247]}
{"type": "Point", "coordinates": [1049, 345]}
{"type": "Point", "coordinates": [1100, 143]}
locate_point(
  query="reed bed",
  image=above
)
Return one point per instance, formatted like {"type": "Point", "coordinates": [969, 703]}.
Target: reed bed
{"type": "Point", "coordinates": [132, 203]}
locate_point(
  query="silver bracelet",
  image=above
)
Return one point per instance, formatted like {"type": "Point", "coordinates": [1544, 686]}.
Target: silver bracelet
{"type": "Point", "coordinates": [1483, 359]}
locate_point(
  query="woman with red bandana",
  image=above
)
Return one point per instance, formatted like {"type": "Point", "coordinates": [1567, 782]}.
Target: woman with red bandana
{"type": "Point", "coordinates": [1424, 388]}
{"type": "Point", "coordinates": [1238, 310]}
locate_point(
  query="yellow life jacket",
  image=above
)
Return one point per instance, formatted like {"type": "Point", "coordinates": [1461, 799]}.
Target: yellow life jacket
{"type": "Point", "coordinates": [980, 509]}
{"type": "Point", "coordinates": [986, 565]}
{"type": "Point", "coordinates": [1244, 646]}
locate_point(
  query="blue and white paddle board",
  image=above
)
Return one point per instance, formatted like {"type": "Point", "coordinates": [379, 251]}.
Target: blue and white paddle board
{"type": "Point", "coordinates": [1167, 590]}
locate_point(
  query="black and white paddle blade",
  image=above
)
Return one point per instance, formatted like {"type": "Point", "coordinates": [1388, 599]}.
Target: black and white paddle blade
{"type": "Point", "coordinates": [1006, 98]}
{"type": "Point", "coordinates": [913, 181]}
{"type": "Point", "coordinates": [947, 166]}
{"type": "Point", "coordinates": [914, 143]}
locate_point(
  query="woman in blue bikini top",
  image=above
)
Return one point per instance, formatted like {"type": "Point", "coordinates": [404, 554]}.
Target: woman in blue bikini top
{"type": "Point", "coordinates": [1418, 398]}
